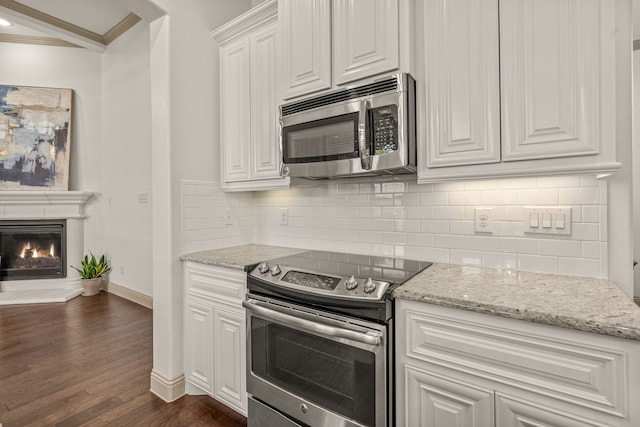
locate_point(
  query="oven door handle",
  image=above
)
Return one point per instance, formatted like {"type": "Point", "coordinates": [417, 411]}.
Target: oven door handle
{"type": "Point", "coordinates": [309, 326]}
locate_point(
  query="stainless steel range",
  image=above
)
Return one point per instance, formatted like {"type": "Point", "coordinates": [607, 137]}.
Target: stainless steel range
{"type": "Point", "coordinates": [320, 339]}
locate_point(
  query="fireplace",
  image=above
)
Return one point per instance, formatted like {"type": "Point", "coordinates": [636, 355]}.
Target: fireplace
{"type": "Point", "coordinates": [33, 249]}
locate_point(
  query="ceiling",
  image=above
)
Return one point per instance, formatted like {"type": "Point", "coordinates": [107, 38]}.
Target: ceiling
{"type": "Point", "coordinates": [91, 24]}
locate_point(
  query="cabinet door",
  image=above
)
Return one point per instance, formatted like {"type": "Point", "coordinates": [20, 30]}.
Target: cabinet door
{"type": "Point", "coordinates": [229, 358]}
{"type": "Point", "coordinates": [365, 38]}
{"type": "Point", "coordinates": [235, 111]}
{"type": "Point", "coordinates": [551, 73]}
{"type": "Point", "coordinates": [306, 45]}
{"type": "Point", "coordinates": [435, 401]}
{"type": "Point", "coordinates": [462, 82]}
{"type": "Point", "coordinates": [264, 113]}
{"type": "Point", "coordinates": [198, 337]}
{"type": "Point", "coordinates": [517, 413]}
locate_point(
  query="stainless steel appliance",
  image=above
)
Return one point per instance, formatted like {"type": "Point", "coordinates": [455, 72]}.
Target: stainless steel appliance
{"type": "Point", "coordinates": [320, 339]}
{"type": "Point", "coordinates": [357, 131]}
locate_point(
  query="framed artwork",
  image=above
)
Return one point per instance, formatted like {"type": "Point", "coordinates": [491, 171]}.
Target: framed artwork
{"type": "Point", "coordinates": [35, 137]}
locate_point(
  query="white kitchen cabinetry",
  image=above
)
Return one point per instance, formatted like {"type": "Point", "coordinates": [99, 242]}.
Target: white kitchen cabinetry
{"type": "Point", "coordinates": [455, 367]}
{"type": "Point", "coordinates": [215, 334]}
{"type": "Point", "coordinates": [331, 43]}
{"type": "Point", "coordinates": [249, 140]}
{"type": "Point", "coordinates": [528, 86]}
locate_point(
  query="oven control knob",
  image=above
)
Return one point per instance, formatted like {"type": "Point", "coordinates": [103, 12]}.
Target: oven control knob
{"type": "Point", "coordinates": [263, 267]}
{"type": "Point", "coordinates": [275, 270]}
{"type": "Point", "coordinates": [351, 283]}
{"type": "Point", "coordinates": [369, 286]}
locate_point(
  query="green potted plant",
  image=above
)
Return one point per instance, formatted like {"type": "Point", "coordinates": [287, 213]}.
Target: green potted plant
{"type": "Point", "coordinates": [91, 272]}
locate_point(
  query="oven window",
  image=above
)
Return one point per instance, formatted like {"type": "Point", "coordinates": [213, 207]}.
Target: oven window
{"type": "Point", "coordinates": [333, 138]}
{"type": "Point", "coordinates": [333, 375]}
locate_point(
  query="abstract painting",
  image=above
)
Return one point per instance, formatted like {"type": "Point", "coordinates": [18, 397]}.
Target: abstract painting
{"type": "Point", "coordinates": [35, 138]}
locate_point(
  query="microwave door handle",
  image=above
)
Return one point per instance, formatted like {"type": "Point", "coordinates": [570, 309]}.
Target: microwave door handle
{"type": "Point", "coordinates": [309, 326]}
{"type": "Point", "coordinates": [365, 159]}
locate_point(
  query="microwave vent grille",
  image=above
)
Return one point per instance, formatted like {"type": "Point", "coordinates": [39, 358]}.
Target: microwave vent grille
{"type": "Point", "coordinates": [381, 86]}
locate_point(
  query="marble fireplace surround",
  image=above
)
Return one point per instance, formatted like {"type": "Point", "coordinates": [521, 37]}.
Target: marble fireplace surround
{"type": "Point", "coordinates": [69, 205]}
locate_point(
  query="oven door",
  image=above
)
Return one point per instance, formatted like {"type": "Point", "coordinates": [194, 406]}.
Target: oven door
{"type": "Point", "coordinates": [318, 368]}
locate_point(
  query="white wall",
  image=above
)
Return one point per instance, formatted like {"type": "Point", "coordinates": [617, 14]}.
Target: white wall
{"type": "Point", "coordinates": [80, 70]}
{"type": "Point", "coordinates": [125, 159]}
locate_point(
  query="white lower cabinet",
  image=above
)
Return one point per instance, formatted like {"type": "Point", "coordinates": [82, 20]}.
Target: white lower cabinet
{"type": "Point", "coordinates": [459, 368]}
{"type": "Point", "coordinates": [215, 334]}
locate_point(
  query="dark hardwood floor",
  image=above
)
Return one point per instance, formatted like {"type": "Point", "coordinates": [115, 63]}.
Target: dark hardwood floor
{"type": "Point", "coordinates": [87, 362]}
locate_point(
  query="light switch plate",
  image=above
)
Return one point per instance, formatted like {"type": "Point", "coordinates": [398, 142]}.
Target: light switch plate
{"type": "Point", "coordinates": [550, 220]}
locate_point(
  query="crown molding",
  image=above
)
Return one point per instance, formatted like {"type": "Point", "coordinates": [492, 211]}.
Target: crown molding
{"type": "Point", "coordinates": [262, 14]}
{"type": "Point", "coordinates": [45, 41]}
{"type": "Point", "coordinates": [120, 28]}
{"type": "Point", "coordinates": [71, 34]}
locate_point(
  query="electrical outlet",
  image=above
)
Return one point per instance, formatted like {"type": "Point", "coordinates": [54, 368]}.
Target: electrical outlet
{"type": "Point", "coordinates": [483, 220]}
{"type": "Point", "coordinates": [284, 216]}
{"type": "Point", "coordinates": [228, 218]}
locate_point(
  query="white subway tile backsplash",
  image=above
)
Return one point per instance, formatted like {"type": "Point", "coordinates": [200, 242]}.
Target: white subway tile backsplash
{"type": "Point", "coordinates": [465, 257]}
{"type": "Point", "coordinates": [591, 250]}
{"type": "Point", "coordinates": [519, 245]}
{"type": "Point", "coordinates": [589, 214]}
{"type": "Point", "coordinates": [449, 212]}
{"type": "Point", "coordinates": [449, 241]}
{"type": "Point", "coordinates": [546, 196]}
{"type": "Point", "coordinates": [579, 267]}
{"type": "Point", "coordinates": [421, 239]}
{"type": "Point", "coordinates": [406, 225]}
{"type": "Point", "coordinates": [579, 196]}
{"type": "Point", "coordinates": [540, 264]}
{"type": "Point", "coordinates": [499, 197]}
{"type": "Point", "coordinates": [561, 248]}
{"type": "Point", "coordinates": [434, 226]}
{"type": "Point", "coordinates": [399, 217]}
{"type": "Point", "coordinates": [434, 199]}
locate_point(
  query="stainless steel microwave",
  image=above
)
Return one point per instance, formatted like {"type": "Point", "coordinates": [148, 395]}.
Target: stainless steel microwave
{"type": "Point", "coordinates": [357, 131]}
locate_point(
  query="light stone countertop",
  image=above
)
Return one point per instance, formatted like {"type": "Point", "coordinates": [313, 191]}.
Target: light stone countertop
{"type": "Point", "coordinates": [239, 257]}
{"type": "Point", "coordinates": [582, 303]}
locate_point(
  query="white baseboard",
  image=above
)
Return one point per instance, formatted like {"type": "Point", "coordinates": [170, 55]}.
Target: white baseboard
{"type": "Point", "coordinates": [166, 389]}
{"type": "Point", "coordinates": [130, 294]}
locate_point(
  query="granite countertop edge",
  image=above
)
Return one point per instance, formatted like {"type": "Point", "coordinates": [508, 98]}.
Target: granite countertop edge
{"type": "Point", "coordinates": [624, 324]}
{"type": "Point", "coordinates": [241, 257]}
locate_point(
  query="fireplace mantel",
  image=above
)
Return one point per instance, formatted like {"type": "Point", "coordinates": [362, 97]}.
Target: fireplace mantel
{"type": "Point", "coordinates": [43, 204]}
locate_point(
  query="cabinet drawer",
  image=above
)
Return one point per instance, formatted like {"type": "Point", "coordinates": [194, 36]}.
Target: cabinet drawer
{"type": "Point", "coordinates": [215, 283]}
{"type": "Point", "coordinates": [518, 354]}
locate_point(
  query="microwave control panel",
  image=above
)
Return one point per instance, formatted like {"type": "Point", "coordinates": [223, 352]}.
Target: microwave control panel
{"type": "Point", "coordinates": [384, 125]}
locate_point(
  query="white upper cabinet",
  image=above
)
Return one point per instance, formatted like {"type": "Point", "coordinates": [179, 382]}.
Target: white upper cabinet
{"type": "Point", "coordinates": [520, 87]}
{"type": "Point", "coordinates": [249, 140]}
{"type": "Point", "coordinates": [552, 75]}
{"type": "Point", "coordinates": [331, 43]}
{"type": "Point", "coordinates": [366, 38]}
{"type": "Point", "coordinates": [306, 45]}
{"type": "Point", "coordinates": [462, 82]}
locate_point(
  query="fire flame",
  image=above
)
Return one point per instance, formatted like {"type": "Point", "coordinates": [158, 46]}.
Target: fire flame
{"type": "Point", "coordinates": [36, 253]}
